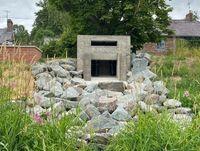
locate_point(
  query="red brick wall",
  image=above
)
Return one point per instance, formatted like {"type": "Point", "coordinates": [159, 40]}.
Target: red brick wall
{"type": "Point", "coordinates": [151, 47]}
{"type": "Point", "coordinates": [28, 54]}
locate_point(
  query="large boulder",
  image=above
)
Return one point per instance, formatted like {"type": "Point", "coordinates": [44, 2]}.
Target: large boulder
{"type": "Point", "coordinates": [112, 86]}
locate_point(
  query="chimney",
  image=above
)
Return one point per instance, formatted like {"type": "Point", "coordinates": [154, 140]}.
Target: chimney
{"type": "Point", "coordinates": [189, 16]}
{"type": "Point", "coordinates": [9, 25]}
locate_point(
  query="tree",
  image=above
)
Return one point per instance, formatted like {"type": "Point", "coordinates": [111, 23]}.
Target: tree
{"type": "Point", "coordinates": [49, 22]}
{"type": "Point", "coordinates": [143, 20]}
{"type": "Point", "coordinates": [21, 35]}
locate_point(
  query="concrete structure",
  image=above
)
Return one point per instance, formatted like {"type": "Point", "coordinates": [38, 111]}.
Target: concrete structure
{"type": "Point", "coordinates": [103, 56]}
{"type": "Point", "coordinates": [28, 54]}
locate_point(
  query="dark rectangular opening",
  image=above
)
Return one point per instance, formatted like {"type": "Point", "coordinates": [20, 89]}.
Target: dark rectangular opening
{"type": "Point", "coordinates": [103, 43]}
{"type": "Point", "coordinates": [103, 68]}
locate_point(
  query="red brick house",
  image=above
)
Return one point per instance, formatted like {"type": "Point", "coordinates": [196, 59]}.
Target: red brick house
{"type": "Point", "coordinates": [183, 29]}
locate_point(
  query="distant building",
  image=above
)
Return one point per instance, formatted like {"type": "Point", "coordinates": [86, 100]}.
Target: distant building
{"type": "Point", "coordinates": [7, 34]}
{"type": "Point", "coordinates": [186, 28]}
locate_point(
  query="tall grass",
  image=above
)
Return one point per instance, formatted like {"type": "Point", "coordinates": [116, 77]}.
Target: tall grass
{"type": "Point", "coordinates": [181, 71]}
{"type": "Point", "coordinates": [156, 133]}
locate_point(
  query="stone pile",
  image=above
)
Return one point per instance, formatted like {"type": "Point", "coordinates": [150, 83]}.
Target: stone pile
{"type": "Point", "coordinates": [106, 107]}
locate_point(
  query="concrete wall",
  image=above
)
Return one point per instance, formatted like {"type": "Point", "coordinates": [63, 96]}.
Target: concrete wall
{"type": "Point", "coordinates": [28, 54]}
{"type": "Point", "coordinates": [86, 53]}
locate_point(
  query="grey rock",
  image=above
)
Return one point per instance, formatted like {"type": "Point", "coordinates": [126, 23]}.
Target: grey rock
{"type": "Point", "coordinates": [43, 80]}
{"type": "Point", "coordinates": [116, 129]}
{"type": "Point", "coordinates": [127, 101]}
{"type": "Point", "coordinates": [184, 119]}
{"type": "Point", "coordinates": [68, 67]}
{"type": "Point", "coordinates": [101, 138]}
{"type": "Point", "coordinates": [58, 108]}
{"type": "Point", "coordinates": [71, 62]}
{"type": "Point", "coordinates": [120, 114]}
{"type": "Point", "coordinates": [71, 94]}
{"type": "Point", "coordinates": [152, 99]}
{"type": "Point", "coordinates": [91, 87]}
{"type": "Point", "coordinates": [171, 103]}
{"type": "Point", "coordinates": [38, 109]}
{"type": "Point", "coordinates": [162, 98]}
{"type": "Point", "coordinates": [139, 65]}
{"type": "Point", "coordinates": [107, 103]}
{"type": "Point", "coordinates": [159, 88]}
{"type": "Point", "coordinates": [183, 110]}
{"type": "Point", "coordinates": [92, 111]}
{"type": "Point", "coordinates": [84, 102]}
{"type": "Point", "coordinates": [60, 72]}
{"type": "Point", "coordinates": [70, 104]}
{"type": "Point", "coordinates": [77, 74]}
{"type": "Point", "coordinates": [112, 86]}
{"type": "Point", "coordinates": [101, 124]}
{"type": "Point", "coordinates": [63, 81]}
{"type": "Point", "coordinates": [38, 68]}
{"type": "Point", "coordinates": [106, 114]}
{"type": "Point", "coordinates": [43, 101]}
{"type": "Point", "coordinates": [56, 88]}
{"type": "Point", "coordinates": [77, 81]}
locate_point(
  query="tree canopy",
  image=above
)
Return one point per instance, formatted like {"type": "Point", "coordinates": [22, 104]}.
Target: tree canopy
{"type": "Point", "coordinates": [143, 20]}
{"type": "Point", "coordinates": [21, 34]}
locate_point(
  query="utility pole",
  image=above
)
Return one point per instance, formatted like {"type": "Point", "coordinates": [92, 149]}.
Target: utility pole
{"type": "Point", "coordinates": [7, 13]}
{"type": "Point", "coordinates": [189, 5]}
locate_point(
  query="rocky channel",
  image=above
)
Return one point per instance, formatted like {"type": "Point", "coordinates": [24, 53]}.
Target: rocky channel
{"type": "Point", "coordinates": [106, 107]}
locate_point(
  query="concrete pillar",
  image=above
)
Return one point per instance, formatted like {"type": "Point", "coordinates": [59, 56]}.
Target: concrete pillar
{"type": "Point", "coordinates": [87, 66]}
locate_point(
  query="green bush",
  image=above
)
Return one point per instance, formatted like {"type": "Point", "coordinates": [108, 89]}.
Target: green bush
{"type": "Point", "coordinates": [156, 133]}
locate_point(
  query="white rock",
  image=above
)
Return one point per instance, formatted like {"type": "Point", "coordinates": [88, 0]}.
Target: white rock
{"type": "Point", "coordinates": [171, 103]}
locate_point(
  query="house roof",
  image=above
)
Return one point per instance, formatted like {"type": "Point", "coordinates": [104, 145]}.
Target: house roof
{"type": "Point", "coordinates": [185, 28]}
{"type": "Point", "coordinates": [5, 36]}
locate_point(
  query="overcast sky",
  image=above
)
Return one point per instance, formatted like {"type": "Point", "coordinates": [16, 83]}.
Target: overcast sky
{"type": "Point", "coordinates": [22, 11]}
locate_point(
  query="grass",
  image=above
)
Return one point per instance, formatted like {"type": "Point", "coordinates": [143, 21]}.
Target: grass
{"type": "Point", "coordinates": [180, 72]}
{"type": "Point", "coordinates": [157, 133]}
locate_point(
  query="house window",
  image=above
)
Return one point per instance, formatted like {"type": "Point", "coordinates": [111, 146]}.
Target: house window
{"type": "Point", "coordinates": [161, 45]}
